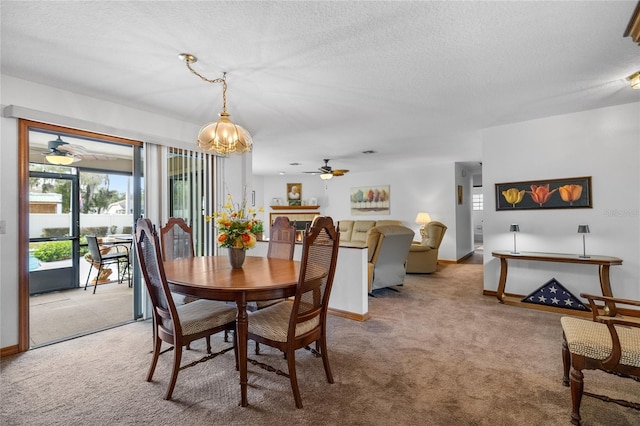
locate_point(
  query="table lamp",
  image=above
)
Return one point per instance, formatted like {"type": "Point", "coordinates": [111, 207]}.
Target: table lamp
{"type": "Point", "coordinates": [514, 228]}
{"type": "Point", "coordinates": [583, 229]}
{"type": "Point", "coordinates": [422, 219]}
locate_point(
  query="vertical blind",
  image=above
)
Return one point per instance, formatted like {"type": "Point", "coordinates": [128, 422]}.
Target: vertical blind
{"type": "Point", "coordinates": [191, 194]}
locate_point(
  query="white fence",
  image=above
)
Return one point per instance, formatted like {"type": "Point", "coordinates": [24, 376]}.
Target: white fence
{"type": "Point", "coordinates": [39, 221]}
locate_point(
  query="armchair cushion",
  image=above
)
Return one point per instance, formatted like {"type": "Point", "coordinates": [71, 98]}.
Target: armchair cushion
{"type": "Point", "coordinates": [423, 255]}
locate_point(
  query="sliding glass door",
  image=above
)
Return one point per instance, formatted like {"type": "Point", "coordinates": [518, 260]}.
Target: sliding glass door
{"type": "Point", "coordinates": [79, 184]}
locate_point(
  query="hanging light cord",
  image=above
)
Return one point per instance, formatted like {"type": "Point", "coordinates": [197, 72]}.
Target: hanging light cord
{"type": "Point", "coordinates": [222, 80]}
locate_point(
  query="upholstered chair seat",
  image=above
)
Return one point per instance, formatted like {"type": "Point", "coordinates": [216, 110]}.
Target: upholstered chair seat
{"type": "Point", "coordinates": [610, 342]}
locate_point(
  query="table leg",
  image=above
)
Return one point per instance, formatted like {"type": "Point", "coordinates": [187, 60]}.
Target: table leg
{"type": "Point", "coordinates": [242, 325]}
{"type": "Point", "coordinates": [503, 280]}
{"type": "Point", "coordinates": [605, 286]}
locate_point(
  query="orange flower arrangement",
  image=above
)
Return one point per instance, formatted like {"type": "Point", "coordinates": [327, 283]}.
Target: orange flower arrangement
{"type": "Point", "coordinates": [236, 225]}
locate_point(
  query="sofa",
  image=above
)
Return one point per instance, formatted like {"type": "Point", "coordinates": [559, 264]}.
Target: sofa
{"type": "Point", "coordinates": [423, 255]}
{"type": "Point", "coordinates": [353, 233]}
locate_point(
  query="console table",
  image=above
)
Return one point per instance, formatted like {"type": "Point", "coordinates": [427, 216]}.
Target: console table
{"type": "Point", "coordinates": [603, 263]}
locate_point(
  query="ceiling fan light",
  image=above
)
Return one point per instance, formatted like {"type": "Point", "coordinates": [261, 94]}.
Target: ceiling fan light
{"type": "Point", "coordinates": [326, 176]}
{"type": "Point", "coordinates": [59, 159]}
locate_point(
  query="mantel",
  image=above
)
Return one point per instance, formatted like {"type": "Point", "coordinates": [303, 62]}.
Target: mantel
{"type": "Point", "coordinates": [294, 207]}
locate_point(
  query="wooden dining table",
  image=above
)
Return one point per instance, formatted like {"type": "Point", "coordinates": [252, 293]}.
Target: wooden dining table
{"type": "Point", "coordinates": [211, 277]}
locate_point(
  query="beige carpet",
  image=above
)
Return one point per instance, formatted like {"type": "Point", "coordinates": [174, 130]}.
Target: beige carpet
{"type": "Point", "coordinates": [435, 353]}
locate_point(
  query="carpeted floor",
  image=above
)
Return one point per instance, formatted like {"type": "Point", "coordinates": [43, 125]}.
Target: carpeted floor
{"type": "Point", "coordinates": [435, 353]}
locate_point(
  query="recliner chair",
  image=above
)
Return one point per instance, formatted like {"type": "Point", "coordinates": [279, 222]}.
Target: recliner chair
{"type": "Point", "coordinates": [423, 256]}
{"type": "Point", "coordinates": [388, 247]}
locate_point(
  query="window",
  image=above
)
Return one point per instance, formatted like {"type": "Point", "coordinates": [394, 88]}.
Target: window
{"type": "Point", "coordinates": [477, 202]}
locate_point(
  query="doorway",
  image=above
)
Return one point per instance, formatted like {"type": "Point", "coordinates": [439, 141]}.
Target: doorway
{"type": "Point", "coordinates": [88, 190]}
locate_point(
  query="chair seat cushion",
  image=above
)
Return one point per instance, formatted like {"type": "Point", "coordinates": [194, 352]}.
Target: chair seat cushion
{"type": "Point", "coordinates": [273, 322]}
{"type": "Point", "coordinates": [593, 340]}
{"type": "Point", "coordinates": [202, 315]}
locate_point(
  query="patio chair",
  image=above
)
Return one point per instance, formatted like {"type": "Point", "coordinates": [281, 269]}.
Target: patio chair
{"type": "Point", "coordinates": [108, 258]}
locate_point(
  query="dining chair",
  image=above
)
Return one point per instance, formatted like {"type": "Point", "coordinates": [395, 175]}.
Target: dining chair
{"type": "Point", "coordinates": [177, 239]}
{"type": "Point", "coordinates": [293, 325]}
{"type": "Point", "coordinates": [176, 325]}
{"type": "Point", "coordinates": [108, 258]}
{"type": "Point", "coordinates": [610, 342]}
{"type": "Point", "coordinates": [282, 242]}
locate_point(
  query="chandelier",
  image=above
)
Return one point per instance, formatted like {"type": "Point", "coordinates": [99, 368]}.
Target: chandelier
{"type": "Point", "coordinates": [223, 136]}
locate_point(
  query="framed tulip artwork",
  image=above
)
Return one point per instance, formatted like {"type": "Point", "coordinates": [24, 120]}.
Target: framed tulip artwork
{"type": "Point", "coordinates": [569, 193]}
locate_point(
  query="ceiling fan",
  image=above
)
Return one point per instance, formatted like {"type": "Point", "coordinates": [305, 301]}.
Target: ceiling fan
{"type": "Point", "coordinates": [63, 153]}
{"type": "Point", "coordinates": [327, 172]}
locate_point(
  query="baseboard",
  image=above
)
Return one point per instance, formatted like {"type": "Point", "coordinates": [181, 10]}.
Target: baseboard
{"type": "Point", "coordinates": [9, 350]}
{"type": "Point", "coordinates": [349, 315]}
{"type": "Point", "coordinates": [516, 300]}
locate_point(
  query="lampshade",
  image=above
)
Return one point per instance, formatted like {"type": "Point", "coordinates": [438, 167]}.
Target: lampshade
{"type": "Point", "coordinates": [634, 80]}
{"type": "Point", "coordinates": [514, 228]}
{"type": "Point", "coordinates": [59, 159]}
{"type": "Point", "coordinates": [326, 176]}
{"type": "Point", "coordinates": [423, 218]}
{"type": "Point", "coordinates": [223, 136]}
{"type": "Point", "coordinates": [583, 229]}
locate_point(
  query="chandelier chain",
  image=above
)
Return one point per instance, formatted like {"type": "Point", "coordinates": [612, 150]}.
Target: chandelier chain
{"type": "Point", "coordinates": [222, 80]}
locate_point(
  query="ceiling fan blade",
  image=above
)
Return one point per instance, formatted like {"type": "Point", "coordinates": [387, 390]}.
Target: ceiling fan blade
{"type": "Point", "coordinates": [340, 172]}
{"type": "Point", "coordinates": [72, 149]}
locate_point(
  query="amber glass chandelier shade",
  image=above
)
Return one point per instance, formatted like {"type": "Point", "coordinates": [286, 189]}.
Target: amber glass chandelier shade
{"type": "Point", "coordinates": [224, 137]}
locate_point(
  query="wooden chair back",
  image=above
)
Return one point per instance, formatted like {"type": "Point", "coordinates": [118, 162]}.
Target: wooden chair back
{"type": "Point", "coordinates": [317, 269]}
{"type": "Point", "coordinates": [165, 316]}
{"type": "Point", "coordinates": [177, 239]}
{"type": "Point", "coordinates": [282, 239]}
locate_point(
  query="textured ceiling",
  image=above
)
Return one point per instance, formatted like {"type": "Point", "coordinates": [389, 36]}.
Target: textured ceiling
{"type": "Point", "coordinates": [414, 81]}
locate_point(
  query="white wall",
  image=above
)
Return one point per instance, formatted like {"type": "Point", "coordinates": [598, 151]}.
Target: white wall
{"type": "Point", "coordinates": [601, 143]}
{"type": "Point", "coordinates": [463, 225]}
{"type": "Point", "coordinates": [431, 189]}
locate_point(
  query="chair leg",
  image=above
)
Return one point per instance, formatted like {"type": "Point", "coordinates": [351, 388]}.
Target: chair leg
{"type": "Point", "coordinates": [291, 363]}
{"type": "Point", "coordinates": [577, 387]}
{"type": "Point", "coordinates": [566, 363]}
{"type": "Point", "coordinates": [95, 286]}
{"type": "Point", "coordinates": [156, 354]}
{"type": "Point", "coordinates": [177, 357]}
{"type": "Point", "coordinates": [208, 340]}
{"type": "Point", "coordinates": [88, 276]}
{"type": "Point", "coordinates": [325, 357]}
{"type": "Point", "coordinates": [257, 350]}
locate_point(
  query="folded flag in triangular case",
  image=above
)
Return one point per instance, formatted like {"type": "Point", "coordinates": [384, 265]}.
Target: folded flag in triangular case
{"type": "Point", "coordinates": [552, 293]}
